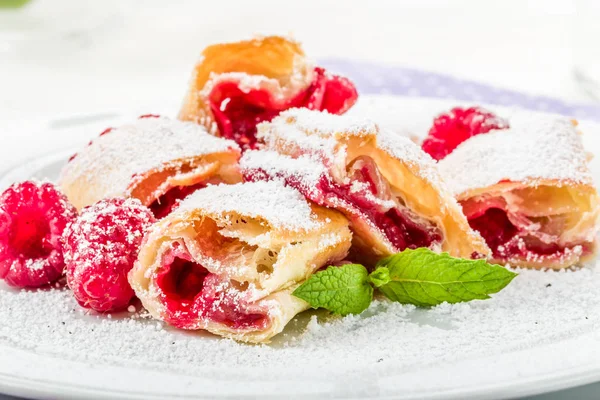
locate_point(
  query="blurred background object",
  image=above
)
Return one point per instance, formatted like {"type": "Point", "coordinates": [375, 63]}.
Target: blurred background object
{"type": "Point", "coordinates": [586, 48]}
{"type": "Point", "coordinates": [12, 3]}
{"type": "Point", "coordinates": [64, 56]}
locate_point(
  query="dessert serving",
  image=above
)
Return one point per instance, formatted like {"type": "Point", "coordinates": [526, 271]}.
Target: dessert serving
{"type": "Point", "coordinates": [531, 194]}
{"type": "Point", "coordinates": [235, 86]}
{"type": "Point", "coordinates": [262, 201]}
{"type": "Point", "coordinates": [385, 185]}
{"type": "Point", "coordinates": [230, 257]}
{"type": "Point", "coordinates": [155, 159]}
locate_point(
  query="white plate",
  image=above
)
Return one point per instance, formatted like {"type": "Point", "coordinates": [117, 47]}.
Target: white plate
{"type": "Point", "coordinates": [542, 333]}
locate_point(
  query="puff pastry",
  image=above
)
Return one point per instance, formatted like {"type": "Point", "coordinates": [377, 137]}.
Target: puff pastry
{"type": "Point", "coordinates": [236, 85]}
{"type": "Point", "coordinates": [385, 185]}
{"type": "Point", "coordinates": [228, 259]}
{"type": "Point", "coordinates": [154, 159]}
{"type": "Point", "coordinates": [528, 191]}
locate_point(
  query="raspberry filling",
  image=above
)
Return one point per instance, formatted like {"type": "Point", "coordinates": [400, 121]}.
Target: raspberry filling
{"type": "Point", "coordinates": [367, 198]}
{"type": "Point", "coordinates": [399, 225]}
{"type": "Point", "coordinates": [514, 236]}
{"type": "Point", "coordinates": [166, 203]}
{"type": "Point", "coordinates": [191, 294]}
{"type": "Point", "coordinates": [237, 110]}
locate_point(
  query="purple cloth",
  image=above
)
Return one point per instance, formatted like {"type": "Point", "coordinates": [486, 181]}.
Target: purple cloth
{"type": "Point", "coordinates": [371, 78]}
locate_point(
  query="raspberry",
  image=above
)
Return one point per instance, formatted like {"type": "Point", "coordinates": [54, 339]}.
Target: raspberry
{"type": "Point", "coordinates": [332, 93]}
{"type": "Point", "coordinates": [100, 249]}
{"type": "Point", "coordinates": [451, 129]}
{"type": "Point", "coordinates": [33, 216]}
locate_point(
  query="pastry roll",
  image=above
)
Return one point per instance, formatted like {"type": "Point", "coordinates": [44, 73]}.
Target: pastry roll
{"type": "Point", "coordinates": [384, 184]}
{"type": "Point", "coordinates": [154, 159]}
{"type": "Point", "coordinates": [237, 85]}
{"type": "Point", "coordinates": [528, 191]}
{"type": "Point", "coordinates": [228, 259]}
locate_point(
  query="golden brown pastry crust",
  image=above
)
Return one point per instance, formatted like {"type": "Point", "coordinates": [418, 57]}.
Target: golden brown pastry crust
{"type": "Point", "coordinates": [278, 60]}
{"type": "Point", "coordinates": [147, 158]}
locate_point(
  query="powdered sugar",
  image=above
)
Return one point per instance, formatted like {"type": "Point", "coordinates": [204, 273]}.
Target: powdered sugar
{"type": "Point", "coordinates": [304, 131]}
{"type": "Point", "coordinates": [113, 159]}
{"type": "Point", "coordinates": [279, 205]}
{"type": "Point", "coordinates": [533, 149]}
{"type": "Point", "coordinates": [287, 137]}
{"type": "Point", "coordinates": [326, 124]}
{"type": "Point", "coordinates": [537, 307]}
{"type": "Point", "coordinates": [307, 171]}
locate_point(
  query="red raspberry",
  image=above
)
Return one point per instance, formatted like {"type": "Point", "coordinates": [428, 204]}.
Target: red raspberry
{"type": "Point", "coordinates": [100, 249]}
{"type": "Point", "coordinates": [451, 129]}
{"type": "Point", "coordinates": [33, 216]}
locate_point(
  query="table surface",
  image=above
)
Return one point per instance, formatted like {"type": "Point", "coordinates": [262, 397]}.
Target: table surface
{"type": "Point", "coordinates": [60, 58]}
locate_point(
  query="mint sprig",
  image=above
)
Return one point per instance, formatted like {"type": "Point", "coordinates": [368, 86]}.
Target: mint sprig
{"type": "Point", "coordinates": [343, 290]}
{"type": "Point", "coordinates": [420, 277]}
{"type": "Point", "coordinates": [424, 278]}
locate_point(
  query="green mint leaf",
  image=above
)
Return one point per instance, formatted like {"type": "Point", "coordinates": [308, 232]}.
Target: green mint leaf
{"type": "Point", "coordinates": [424, 278]}
{"type": "Point", "coordinates": [341, 290]}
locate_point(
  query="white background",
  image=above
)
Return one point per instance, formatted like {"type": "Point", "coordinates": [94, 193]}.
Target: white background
{"type": "Point", "coordinates": [59, 58]}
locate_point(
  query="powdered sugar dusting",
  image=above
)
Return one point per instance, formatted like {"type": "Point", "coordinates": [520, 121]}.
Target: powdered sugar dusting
{"type": "Point", "coordinates": [534, 148]}
{"type": "Point", "coordinates": [304, 169]}
{"type": "Point", "coordinates": [279, 133]}
{"type": "Point", "coordinates": [537, 307]}
{"type": "Point", "coordinates": [279, 205]}
{"type": "Point", "coordinates": [325, 124]}
{"type": "Point", "coordinates": [113, 159]}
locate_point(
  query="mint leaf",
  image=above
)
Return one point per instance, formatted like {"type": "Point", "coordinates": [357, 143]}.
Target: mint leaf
{"type": "Point", "coordinates": [424, 278]}
{"type": "Point", "coordinates": [341, 290]}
